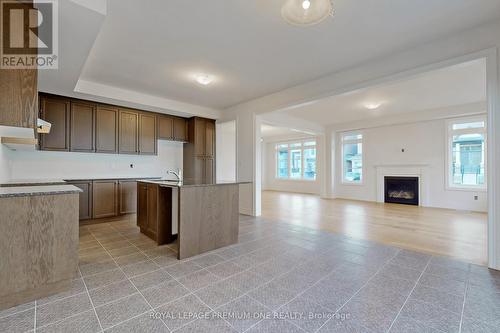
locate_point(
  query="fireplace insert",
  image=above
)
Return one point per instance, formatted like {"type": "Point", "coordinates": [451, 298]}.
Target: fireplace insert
{"type": "Point", "coordinates": [401, 190]}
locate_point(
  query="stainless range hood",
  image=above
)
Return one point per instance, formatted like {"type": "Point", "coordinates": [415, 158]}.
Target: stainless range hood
{"type": "Point", "coordinates": [42, 126]}
{"type": "Point", "coordinates": [18, 138]}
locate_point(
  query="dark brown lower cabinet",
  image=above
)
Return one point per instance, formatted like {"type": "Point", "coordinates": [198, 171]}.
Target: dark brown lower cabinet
{"type": "Point", "coordinates": [128, 196]}
{"type": "Point", "coordinates": [109, 198]}
{"type": "Point", "coordinates": [154, 212]}
{"type": "Point", "coordinates": [142, 205]}
{"type": "Point", "coordinates": [85, 199]}
{"type": "Point", "coordinates": [105, 198]}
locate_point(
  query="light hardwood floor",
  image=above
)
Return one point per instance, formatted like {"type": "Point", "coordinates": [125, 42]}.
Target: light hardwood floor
{"type": "Point", "coordinates": [446, 232]}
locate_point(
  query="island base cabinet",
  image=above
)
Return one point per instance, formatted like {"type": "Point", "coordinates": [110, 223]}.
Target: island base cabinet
{"type": "Point", "coordinates": [39, 247]}
{"type": "Point", "coordinates": [142, 205]}
{"type": "Point", "coordinates": [154, 212]}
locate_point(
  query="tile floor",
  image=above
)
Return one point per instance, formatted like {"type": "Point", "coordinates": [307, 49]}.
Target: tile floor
{"type": "Point", "coordinates": [278, 278]}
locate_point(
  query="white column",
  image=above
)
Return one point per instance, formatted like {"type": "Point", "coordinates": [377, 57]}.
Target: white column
{"type": "Point", "coordinates": [493, 74]}
{"type": "Point", "coordinates": [326, 149]}
{"type": "Point", "coordinates": [249, 162]}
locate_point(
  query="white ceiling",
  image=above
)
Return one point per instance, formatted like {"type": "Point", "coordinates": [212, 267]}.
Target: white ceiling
{"type": "Point", "coordinates": [153, 46]}
{"type": "Point", "coordinates": [268, 131]}
{"type": "Point", "coordinates": [451, 86]}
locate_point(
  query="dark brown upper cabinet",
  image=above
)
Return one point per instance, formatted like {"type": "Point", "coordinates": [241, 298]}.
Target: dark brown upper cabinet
{"type": "Point", "coordinates": [55, 110]}
{"type": "Point", "coordinates": [165, 127]}
{"type": "Point", "coordinates": [82, 127]}
{"type": "Point", "coordinates": [147, 134]}
{"type": "Point", "coordinates": [199, 152]}
{"type": "Point", "coordinates": [180, 130]}
{"type": "Point", "coordinates": [202, 135]}
{"type": "Point", "coordinates": [106, 129]}
{"type": "Point", "coordinates": [209, 138]}
{"type": "Point", "coordinates": [129, 132]}
{"type": "Point", "coordinates": [85, 126]}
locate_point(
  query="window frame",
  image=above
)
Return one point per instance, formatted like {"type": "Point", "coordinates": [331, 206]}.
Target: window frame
{"type": "Point", "coordinates": [450, 133]}
{"type": "Point", "coordinates": [277, 148]}
{"type": "Point", "coordinates": [343, 142]}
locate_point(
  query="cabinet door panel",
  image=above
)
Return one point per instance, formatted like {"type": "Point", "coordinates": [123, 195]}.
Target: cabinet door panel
{"type": "Point", "coordinates": [209, 171]}
{"type": "Point", "coordinates": [152, 220]}
{"type": "Point", "coordinates": [105, 203]}
{"type": "Point", "coordinates": [85, 199]}
{"type": "Point", "coordinates": [82, 127]}
{"type": "Point", "coordinates": [107, 130]}
{"type": "Point", "coordinates": [142, 205]}
{"type": "Point", "coordinates": [147, 134]}
{"type": "Point", "coordinates": [199, 137]}
{"type": "Point", "coordinates": [128, 196]}
{"type": "Point", "coordinates": [165, 128]}
{"type": "Point", "coordinates": [57, 112]}
{"type": "Point", "coordinates": [128, 132]}
{"type": "Point", "coordinates": [180, 129]}
{"type": "Point", "coordinates": [209, 138]}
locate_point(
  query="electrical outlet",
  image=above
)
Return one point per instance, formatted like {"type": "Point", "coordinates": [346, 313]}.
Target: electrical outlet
{"type": "Point", "coordinates": [476, 197]}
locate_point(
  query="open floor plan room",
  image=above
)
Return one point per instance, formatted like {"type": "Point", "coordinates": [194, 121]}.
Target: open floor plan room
{"type": "Point", "coordinates": [445, 232]}
{"type": "Point", "coordinates": [268, 282]}
{"type": "Point", "coordinates": [250, 166]}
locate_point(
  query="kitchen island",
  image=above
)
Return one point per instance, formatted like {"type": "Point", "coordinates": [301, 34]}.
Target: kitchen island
{"type": "Point", "coordinates": [202, 217]}
{"type": "Point", "coordinates": [38, 241]}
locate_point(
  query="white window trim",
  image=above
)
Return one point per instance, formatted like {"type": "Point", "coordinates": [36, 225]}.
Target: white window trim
{"type": "Point", "coordinates": [302, 148]}
{"type": "Point", "coordinates": [351, 141]}
{"type": "Point", "coordinates": [450, 132]}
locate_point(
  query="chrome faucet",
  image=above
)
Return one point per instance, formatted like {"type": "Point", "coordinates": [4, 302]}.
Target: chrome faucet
{"type": "Point", "coordinates": [177, 173]}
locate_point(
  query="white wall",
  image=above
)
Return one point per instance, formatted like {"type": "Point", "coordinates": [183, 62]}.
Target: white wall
{"type": "Point", "coordinates": [269, 180]}
{"type": "Point", "coordinates": [226, 151]}
{"type": "Point", "coordinates": [63, 165]}
{"type": "Point", "coordinates": [6, 153]}
{"type": "Point", "coordinates": [424, 144]}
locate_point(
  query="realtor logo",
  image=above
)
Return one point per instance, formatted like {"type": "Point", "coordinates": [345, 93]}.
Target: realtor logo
{"type": "Point", "coordinates": [28, 34]}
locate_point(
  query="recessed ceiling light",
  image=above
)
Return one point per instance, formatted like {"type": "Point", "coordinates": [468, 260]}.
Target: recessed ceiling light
{"type": "Point", "coordinates": [204, 79]}
{"type": "Point", "coordinates": [372, 106]}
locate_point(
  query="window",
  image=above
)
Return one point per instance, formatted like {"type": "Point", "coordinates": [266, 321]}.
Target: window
{"type": "Point", "coordinates": [283, 161]}
{"type": "Point", "coordinates": [467, 153]}
{"type": "Point", "coordinates": [296, 160]}
{"type": "Point", "coordinates": [352, 158]}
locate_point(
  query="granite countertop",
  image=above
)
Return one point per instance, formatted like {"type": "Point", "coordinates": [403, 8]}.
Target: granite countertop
{"type": "Point", "coordinates": [33, 182]}
{"type": "Point", "coordinates": [30, 191]}
{"type": "Point", "coordinates": [173, 183]}
{"type": "Point", "coordinates": [40, 182]}
{"type": "Point", "coordinates": [74, 179]}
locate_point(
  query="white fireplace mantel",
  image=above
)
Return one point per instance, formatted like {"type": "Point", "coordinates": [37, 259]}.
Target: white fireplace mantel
{"type": "Point", "coordinates": [404, 170]}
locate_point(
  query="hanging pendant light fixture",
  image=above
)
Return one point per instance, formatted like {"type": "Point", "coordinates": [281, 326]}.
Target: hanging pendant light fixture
{"type": "Point", "coordinates": [306, 12]}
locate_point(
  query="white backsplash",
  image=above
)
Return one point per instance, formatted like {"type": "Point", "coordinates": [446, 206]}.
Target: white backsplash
{"type": "Point", "coordinates": [64, 165]}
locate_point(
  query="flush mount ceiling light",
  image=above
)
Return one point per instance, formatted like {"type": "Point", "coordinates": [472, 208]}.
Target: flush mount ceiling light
{"type": "Point", "coordinates": [204, 79]}
{"type": "Point", "coordinates": [306, 12]}
{"type": "Point", "coordinates": [372, 106]}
